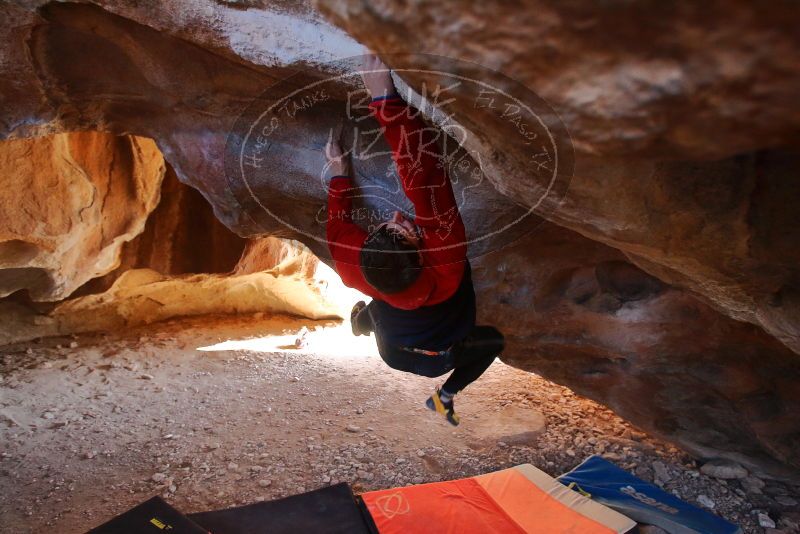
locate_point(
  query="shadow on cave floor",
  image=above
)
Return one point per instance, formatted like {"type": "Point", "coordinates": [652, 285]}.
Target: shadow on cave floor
{"type": "Point", "coordinates": [211, 412]}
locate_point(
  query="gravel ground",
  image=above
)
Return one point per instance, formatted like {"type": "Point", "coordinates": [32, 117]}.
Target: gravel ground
{"type": "Point", "coordinates": [213, 412]}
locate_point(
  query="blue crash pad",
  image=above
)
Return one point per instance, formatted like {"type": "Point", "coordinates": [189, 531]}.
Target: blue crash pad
{"type": "Point", "coordinates": [606, 483]}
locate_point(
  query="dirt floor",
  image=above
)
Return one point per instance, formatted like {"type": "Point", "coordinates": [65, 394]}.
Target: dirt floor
{"type": "Point", "coordinates": [213, 412]}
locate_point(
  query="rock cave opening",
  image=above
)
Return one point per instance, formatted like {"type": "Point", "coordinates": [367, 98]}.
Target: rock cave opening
{"type": "Point", "coordinates": [163, 254]}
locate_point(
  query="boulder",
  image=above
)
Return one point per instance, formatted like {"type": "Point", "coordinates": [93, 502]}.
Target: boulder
{"type": "Point", "coordinates": [577, 312]}
{"type": "Point", "coordinates": [723, 469]}
{"type": "Point", "coordinates": [143, 296]}
{"type": "Point", "coordinates": [682, 118]}
{"type": "Point", "coordinates": [290, 280]}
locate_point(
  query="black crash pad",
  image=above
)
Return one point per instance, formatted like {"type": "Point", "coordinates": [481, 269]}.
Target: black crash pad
{"type": "Point", "coordinates": [330, 510]}
{"type": "Point", "coordinates": [152, 516]}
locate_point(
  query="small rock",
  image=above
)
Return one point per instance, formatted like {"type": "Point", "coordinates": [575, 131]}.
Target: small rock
{"type": "Point", "coordinates": [73, 345]}
{"type": "Point", "coordinates": [158, 478]}
{"type": "Point", "coordinates": [724, 469]}
{"type": "Point", "coordinates": [785, 500]}
{"type": "Point", "coordinates": [705, 502]}
{"type": "Point", "coordinates": [775, 489]}
{"type": "Point", "coordinates": [643, 472]}
{"type": "Point", "coordinates": [48, 415]}
{"type": "Point", "coordinates": [146, 376]}
{"type": "Point", "coordinates": [661, 472]}
{"type": "Point", "coordinates": [353, 428]}
{"type": "Point", "coordinates": [301, 339]}
{"type": "Point", "coordinates": [233, 466]}
{"type": "Point", "coordinates": [752, 484]}
{"type": "Point", "coordinates": [89, 455]}
{"type": "Point", "coordinates": [790, 521]}
{"type": "Point", "coordinates": [421, 453]}
{"type": "Point", "coordinates": [765, 520]}
{"type": "Point", "coordinates": [265, 483]}
{"type": "Point", "coordinates": [43, 320]}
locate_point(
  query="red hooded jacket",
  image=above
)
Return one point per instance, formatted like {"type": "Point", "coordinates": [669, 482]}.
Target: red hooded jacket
{"type": "Point", "coordinates": [426, 184]}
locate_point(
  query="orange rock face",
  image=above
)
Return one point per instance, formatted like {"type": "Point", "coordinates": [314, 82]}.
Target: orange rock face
{"type": "Point", "coordinates": [181, 236]}
{"type": "Point", "coordinates": [68, 204]}
{"type": "Point", "coordinates": [666, 282]}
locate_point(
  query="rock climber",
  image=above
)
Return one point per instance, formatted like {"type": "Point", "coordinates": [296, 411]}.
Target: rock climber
{"type": "Point", "coordinates": [417, 272]}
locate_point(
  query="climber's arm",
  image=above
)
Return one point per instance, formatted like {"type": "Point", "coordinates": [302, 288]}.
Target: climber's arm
{"type": "Point", "coordinates": [345, 238]}
{"type": "Point", "coordinates": [419, 162]}
{"type": "Point", "coordinates": [416, 152]}
{"type": "Point", "coordinates": [341, 231]}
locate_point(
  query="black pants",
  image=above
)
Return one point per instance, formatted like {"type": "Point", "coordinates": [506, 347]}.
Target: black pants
{"type": "Point", "coordinates": [468, 358]}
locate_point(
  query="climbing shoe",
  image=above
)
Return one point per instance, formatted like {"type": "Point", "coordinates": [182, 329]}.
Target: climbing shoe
{"type": "Point", "coordinates": [436, 404]}
{"type": "Point", "coordinates": [357, 307]}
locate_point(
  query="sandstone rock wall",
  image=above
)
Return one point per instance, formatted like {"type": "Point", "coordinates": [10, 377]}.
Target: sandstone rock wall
{"type": "Point", "coordinates": [295, 284]}
{"type": "Point", "coordinates": [96, 209]}
{"type": "Point", "coordinates": [579, 313]}
{"type": "Point", "coordinates": [683, 119]}
{"type": "Point", "coordinates": [143, 296]}
{"type": "Point", "coordinates": [68, 205]}
{"type": "Point", "coordinates": [181, 236]}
